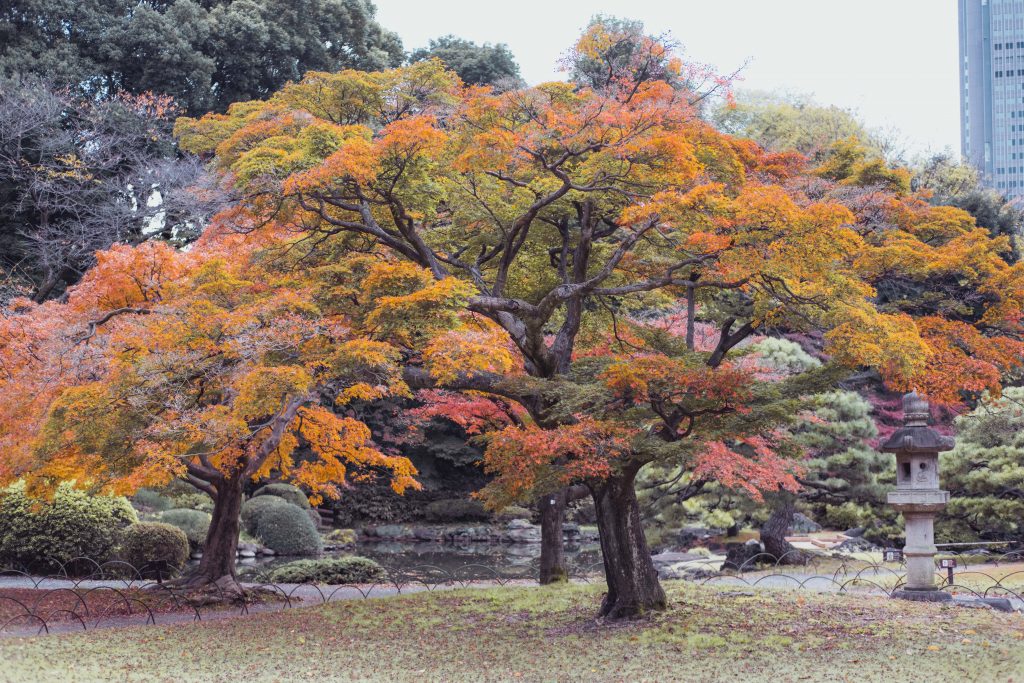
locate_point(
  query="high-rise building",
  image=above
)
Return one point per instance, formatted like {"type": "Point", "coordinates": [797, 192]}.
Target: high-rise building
{"type": "Point", "coordinates": [992, 91]}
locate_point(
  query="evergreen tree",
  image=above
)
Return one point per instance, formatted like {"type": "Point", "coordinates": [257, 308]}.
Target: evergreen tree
{"type": "Point", "coordinates": [205, 53]}
{"type": "Point", "coordinates": [984, 473]}
{"type": "Point", "coordinates": [844, 480]}
{"type": "Point", "coordinates": [847, 478]}
{"type": "Point", "coordinates": [475, 64]}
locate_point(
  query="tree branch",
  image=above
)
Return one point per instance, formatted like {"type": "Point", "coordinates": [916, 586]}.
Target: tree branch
{"type": "Point", "coordinates": [94, 324]}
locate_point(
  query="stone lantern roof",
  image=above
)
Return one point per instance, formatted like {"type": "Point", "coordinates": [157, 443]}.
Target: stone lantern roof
{"type": "Point", "coordinates": [915, 436]}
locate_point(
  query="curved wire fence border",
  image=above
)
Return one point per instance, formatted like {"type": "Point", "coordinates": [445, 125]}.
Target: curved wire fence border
{"type": "Point", "coordinates": [134, 585]}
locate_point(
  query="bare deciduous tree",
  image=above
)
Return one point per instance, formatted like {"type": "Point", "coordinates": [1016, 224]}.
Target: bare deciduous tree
{"type": "Point", "coordinates": [77, 176]}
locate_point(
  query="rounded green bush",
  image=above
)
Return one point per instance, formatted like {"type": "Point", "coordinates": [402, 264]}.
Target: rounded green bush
{"type": "Point", "coordinates": [146, 543]}
{"type": "Point", "coordinates": [342, 536]}
{"type": "Point", "coordinates": [194, 523]}
{"type": "Point", "coordinates": [287, 530]}
{"type": "Point", "coordinates": [40, 534]}
{"type": "Point", "coordinates": [846, 516]}
{"type": "Point", "coordinates": [192, 501]}
{"type": "Point", "coordinates": [332, 570]}
{"type": "Point", "coordinates": [292, 494]}
{"type": "Point", "coordinates": [513, 512]}
{"type": "Point", "coordinates": [254, 507]}
{"type": "Point", "coordinates": [456, 510]}
{"type": "Point", "coordinates": [153, 500]}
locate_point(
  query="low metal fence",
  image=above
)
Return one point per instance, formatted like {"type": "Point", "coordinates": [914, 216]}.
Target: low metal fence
{"type": "Point", "coordinates": [83, 594]}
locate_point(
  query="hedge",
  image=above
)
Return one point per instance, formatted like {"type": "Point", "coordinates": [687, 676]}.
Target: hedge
{"type": "Point", "coordinates": [39, 534]}
{"type": "Point", "coordinates": [456, 510]}
{"type": "Point", "coordinates": [254, 507]}
{"type": "Point", "coordinates": [333, 570]}
{"type": "Point", "coordinates": [292, 494]}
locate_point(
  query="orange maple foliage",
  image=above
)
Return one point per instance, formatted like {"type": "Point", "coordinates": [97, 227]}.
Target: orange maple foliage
{"type": "Point", "coordinates": [758, 469]}
{"type": "Point", "coordinates": [569, 207]}
{"type": "Point", "coordinates": [525, 459]}
{"type": "Point", "coordinates": [214, 366]}
{"type": "Point", "coordinates": [475, 413]}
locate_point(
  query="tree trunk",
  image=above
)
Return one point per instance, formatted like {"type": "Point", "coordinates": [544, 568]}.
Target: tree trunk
{"type": "Point", "coordinates": [774, 530]}
{"type": "Point", "coordinates": [633, 586]}
{"type": "Point", "coordinates": [217, 565]}
{"type": "Point", "coordinates": [552, 548]}
{"type": "Point", "coordinates": [691, 314]}
{"type": "Point", "coordinates": [45, 287]}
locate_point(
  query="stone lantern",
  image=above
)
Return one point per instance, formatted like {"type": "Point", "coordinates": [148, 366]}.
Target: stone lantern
{"type": "Point", "coordinates": [918, 495]}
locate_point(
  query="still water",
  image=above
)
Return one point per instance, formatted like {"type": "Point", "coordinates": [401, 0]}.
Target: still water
{"type": "Point", "coordinates": [471, 561]}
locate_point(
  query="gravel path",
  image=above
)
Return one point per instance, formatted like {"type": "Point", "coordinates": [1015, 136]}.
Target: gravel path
{"type": "Point", "coordinates": [870, 583]}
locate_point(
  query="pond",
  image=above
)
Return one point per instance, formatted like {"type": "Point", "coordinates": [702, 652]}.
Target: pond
{"type": "Point", "coordinates": [470, 561]}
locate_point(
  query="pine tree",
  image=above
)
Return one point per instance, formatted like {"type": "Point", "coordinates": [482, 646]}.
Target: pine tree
{"type": "Point", "coordinates": [984, 473]}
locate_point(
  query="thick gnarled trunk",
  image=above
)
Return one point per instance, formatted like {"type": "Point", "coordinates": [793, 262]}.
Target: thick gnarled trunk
{"type": "Point", "coordinates": [552, 548]}
{"type": "Point", "coordinates": [774, 530]}
{"type": "Point", "coordinates": [217, 565]}
{"type": "Point", "coordinates": [633, 586]}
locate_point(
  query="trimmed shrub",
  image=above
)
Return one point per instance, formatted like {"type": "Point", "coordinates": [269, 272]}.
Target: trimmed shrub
{"type": "Point", "coordinates": [329, 570]}
{"type": "Point", "coordinates": [456, 510]}
{"type": "Point", "coordinates": [292, 494]}
{"type": "Point", "coordinates": [145, 543]}
{"type": "Point", "coordinates": [513, 512]}
{"type": "Point", "coordinates": [254, 507]}
{"type": "Point", "coordinates": [846, 516]}
{"type": "Point", "coordinates": [315, 517]}
{"type": "Point", "coordinates": [342, 536]}
{"type": "Point", "coordinates": [153, 500]}
{"type": "Point", "coordinates": [288, 530]}
{"type": "Point", "coordinates": [193, 501]}
{"type": "Point", "coordinates": [38, 534]}
{"type": "Point", "coordinates": [194, 523]}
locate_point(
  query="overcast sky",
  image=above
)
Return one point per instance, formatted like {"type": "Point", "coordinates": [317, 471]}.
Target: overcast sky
{"type": "Point", "coordinates": [893, 61]}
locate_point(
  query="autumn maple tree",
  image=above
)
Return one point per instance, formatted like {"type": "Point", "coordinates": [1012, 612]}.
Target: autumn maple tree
{"type": "Point", "coordinates": [218, 366]}
{"type": "Point", "coordinates": [583, 215]}
{"type": "Point", "coordinates": [931, 263]}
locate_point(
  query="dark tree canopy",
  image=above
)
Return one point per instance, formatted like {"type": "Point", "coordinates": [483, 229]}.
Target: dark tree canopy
{"type": "Point", "coordinates": [204, 53]}
{"type": "Point", "coordinates": [79, 175]}
{"type": "Point", "coordinates": [475, 64]}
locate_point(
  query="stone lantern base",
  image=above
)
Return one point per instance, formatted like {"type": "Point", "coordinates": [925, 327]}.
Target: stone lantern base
{"type": "Point", "coordinates": [932, 595]}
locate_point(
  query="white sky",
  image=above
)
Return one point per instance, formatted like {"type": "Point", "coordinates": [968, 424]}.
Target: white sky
{"type": "Point", "coordinates": [892, 61]}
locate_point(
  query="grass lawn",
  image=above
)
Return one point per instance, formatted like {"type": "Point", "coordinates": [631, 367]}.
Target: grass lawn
{"type": "Point", "coordinates": [549, 634]}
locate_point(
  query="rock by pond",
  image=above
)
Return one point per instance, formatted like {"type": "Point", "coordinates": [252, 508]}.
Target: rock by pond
{"type": "Point", "coordinates": [802, 524]}
{"type": "Point", "coordinates": [690, 536]}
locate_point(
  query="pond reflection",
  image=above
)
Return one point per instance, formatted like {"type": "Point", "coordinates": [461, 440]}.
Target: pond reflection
{"type": "Point", "coordinates": [468, 561]}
